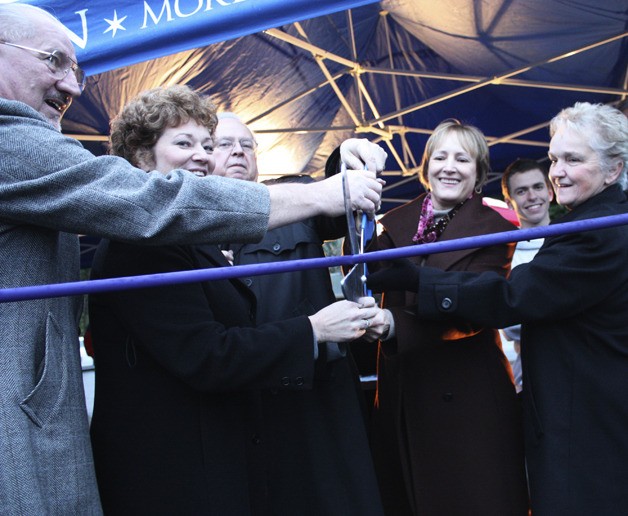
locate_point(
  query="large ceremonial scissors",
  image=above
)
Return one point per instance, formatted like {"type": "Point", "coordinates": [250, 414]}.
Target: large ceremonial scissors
{"type": "Point", "coordinates": [354, 283]}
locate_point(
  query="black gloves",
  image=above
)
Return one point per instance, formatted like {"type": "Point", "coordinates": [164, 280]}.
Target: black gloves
{"type": "Point", "coordinates": [401, 275]}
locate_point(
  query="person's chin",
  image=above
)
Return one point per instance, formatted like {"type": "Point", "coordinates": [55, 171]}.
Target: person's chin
{"type": "Point", "coordinates": [238, 174]}
{"type": "Point", "coordinates": [55, 122]}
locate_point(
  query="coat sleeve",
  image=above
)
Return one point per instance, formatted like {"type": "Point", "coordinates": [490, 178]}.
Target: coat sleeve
{"type": "Point", "coordinates": [569, 275]}
{"type": "Point", "coordinates": [411, 331]}
{"type": "Point", "coordinates": [51, 181]}
{"type": "Point", "coordinates": [415, 331]}
{"type": "Point", "coordinates": [177, 325]}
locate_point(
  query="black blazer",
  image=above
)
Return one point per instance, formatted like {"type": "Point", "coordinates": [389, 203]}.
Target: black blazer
{"type": "Point", "coordinates": [177, 424]}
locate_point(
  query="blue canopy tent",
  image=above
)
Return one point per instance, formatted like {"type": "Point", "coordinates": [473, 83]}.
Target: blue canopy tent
{"type": "Point", "coordinates": [307, 74]}
{"type": "Point", "coordinates": [389, 70]}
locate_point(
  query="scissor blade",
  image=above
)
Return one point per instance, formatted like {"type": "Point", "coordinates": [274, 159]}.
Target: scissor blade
{"type": "Point", "coordinates": [354, 283]}
{"type": "Point", "coordinates": [351, 229]}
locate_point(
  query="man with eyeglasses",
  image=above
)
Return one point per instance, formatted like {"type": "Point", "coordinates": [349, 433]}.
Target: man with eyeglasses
{"type": "Point", "coordinates": [58, 62]}
{"type": "Point", "coordinates": [234, 149]}
{"type": "Point", "coordinates": [53, 189]}
{"type": "Point", "coordinates": [319, 428]}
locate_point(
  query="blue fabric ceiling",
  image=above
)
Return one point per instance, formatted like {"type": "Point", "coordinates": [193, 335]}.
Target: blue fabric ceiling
{"type": "Point", "coordinates": [389, 71]}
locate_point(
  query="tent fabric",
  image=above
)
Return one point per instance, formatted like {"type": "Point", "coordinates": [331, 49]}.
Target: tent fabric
{"type": "Point", "coordinates": [389, 71]}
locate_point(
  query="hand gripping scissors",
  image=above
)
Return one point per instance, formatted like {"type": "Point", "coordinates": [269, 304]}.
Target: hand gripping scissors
{"type": "Point", "coordinates": [354, 283]}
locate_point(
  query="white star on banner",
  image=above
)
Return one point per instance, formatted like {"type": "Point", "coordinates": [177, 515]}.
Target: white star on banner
{"type": "Point", "coordinates": [115, 24]}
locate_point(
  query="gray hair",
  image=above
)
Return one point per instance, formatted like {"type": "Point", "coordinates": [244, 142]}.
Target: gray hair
{"type": "Point", "coordinates": [606, 130]}
{"type": "Point", "coordinates": [16, 21]}
{"type": "Point", "coordinates": [228, 114]}
{"type": "Point", "coordinates": [224, 115]}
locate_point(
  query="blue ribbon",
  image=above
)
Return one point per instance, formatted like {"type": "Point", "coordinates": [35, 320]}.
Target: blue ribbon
{"type": "Point", "coordinates": [171, 278]}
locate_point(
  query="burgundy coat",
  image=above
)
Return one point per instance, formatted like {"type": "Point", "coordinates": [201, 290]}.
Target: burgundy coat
{"type": "Point", "coordinates": [447, 436]}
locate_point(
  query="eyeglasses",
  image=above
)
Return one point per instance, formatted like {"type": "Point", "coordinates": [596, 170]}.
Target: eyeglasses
{"type": "Point", "coordinates": [59, 63]}
{"type": "Point", "coordinates": [248, 145]}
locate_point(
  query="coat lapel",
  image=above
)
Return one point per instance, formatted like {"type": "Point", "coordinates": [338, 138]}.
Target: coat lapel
{"type": "Point", "coordinates": [213, 255]}
{"type": "Point", "coordinates": [472, 219]}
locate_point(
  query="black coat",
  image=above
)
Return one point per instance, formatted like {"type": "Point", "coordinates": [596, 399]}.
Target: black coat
{"type": "Point", "coordinates": [321, 463]}
{"type": "Point", "coordinates": [177, 425]}
{"type": "Point", "coordinates": [572, 299]}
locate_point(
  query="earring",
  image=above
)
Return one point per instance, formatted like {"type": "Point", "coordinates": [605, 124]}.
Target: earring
{"type": "Point", "coordinates": [478, 189]}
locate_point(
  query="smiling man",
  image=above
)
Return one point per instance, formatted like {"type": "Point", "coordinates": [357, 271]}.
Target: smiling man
{"type": "Point", "coordinates": [527, 190]}
{"type": "Point", "coordinates": [52, 189]}
{"type": "Point", "coordinates": [50, 78]}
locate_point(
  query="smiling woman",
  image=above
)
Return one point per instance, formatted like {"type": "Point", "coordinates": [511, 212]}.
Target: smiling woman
{"type": "Point", "coordinates": [458, 164]}
{"type": "Point", "coordinates": [580, 166]}
{"type": "Point", "coordinates": [572, 300]}
{"type": "Point", "coordinates": [450, 386]}
{"type": "Point", "coordinates": [178, 425]}
{"type": "Point", "coordinates": [188, 147]}
{"type": "Point", "coordinates": [164, 129]}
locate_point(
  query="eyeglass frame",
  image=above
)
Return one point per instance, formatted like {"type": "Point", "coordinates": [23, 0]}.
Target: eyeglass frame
{"type": "Point", "coordinates": [233, 141]}
{"type": "Point", "coordinates": [58, 54]}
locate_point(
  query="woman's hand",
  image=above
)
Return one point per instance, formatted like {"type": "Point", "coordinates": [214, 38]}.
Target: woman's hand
{"type": "Point", "coordinates": [382, 326]}
{"type": "Point", "coordinates": [344, 320]}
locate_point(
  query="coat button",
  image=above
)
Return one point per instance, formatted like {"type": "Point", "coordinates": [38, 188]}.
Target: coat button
{"type": "Point", "coordinates": [256, 439]}
{"type": "Point", "coordinates": [299, 381]}
{"type": "Point", "coordinates": [446, 303]}
{"type": "Point", "coordinates": [276, 246]}
{"type": "Point", "coordinates": [285, 381]}
{"type": "Point", "coordinates": [448, 396]}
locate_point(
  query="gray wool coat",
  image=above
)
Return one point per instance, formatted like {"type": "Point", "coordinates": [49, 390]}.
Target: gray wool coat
{"type": "Point", "coordinates": [52, 189]}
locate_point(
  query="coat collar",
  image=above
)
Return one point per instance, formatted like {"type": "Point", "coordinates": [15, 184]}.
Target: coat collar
{"type": "Point", "coordinates": [472, 219]}
{"type": "Point", "coordinates": [607, 197]}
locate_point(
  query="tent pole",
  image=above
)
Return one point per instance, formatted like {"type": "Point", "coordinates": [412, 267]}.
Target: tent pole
{"type": "Point", "coordinates": [354, 55]}
{"type": "Point", "coordinates": [504, 82]}
{"type": "Point", "coordinates": [498, 79]}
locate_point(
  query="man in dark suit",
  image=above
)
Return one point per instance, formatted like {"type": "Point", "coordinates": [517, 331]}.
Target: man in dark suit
{"type": "Point", "coordinates": [319, 456]}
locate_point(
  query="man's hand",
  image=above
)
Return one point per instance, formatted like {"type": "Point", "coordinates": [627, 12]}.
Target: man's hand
{"type": "Point", "coordinates": [357, 152]}
{"type": "Point", "coordinates": [291, 202]}
{"type": "Point", "coordinates": [365, 188]}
